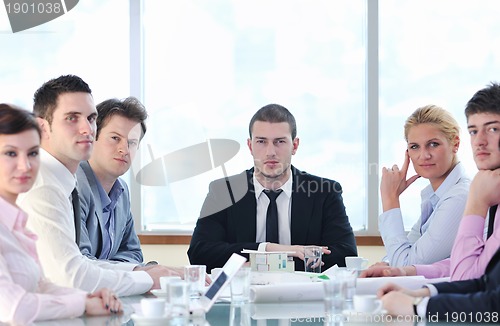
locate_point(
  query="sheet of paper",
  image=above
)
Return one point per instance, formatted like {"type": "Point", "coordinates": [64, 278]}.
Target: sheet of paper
{"type": "Point", "coordinates": [371, 285]}
{"type": "Point", "coordinates": [288, 288]}
{"type": "Point", "coordinates": [288, 310]}
{"type": "Point", "coordinates": [287, 292]}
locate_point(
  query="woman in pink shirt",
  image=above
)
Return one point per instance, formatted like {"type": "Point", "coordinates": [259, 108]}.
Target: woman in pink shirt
{"type": "Point", "coordinates": [25, 296]}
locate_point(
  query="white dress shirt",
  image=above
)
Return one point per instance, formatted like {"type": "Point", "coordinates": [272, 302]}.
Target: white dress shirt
{"type": "Point", "coordinates": [51, 218]}
{"type": "Point", "coordinates": [284, 205]}
{"type": "Point", "coordinates": [431, 238]}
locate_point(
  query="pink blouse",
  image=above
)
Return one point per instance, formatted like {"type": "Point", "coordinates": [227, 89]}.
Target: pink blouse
{"type": "Point", "coordinates": [25, 296]}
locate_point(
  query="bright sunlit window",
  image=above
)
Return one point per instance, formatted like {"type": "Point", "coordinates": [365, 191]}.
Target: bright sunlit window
{"type": "Point", "coordinates": [203, 68]}
{"type": "Point", "coordinates": [91, 41]}
{"type": "Point", "coordinates": [432, 52]}
{"type": "Point", "coordinates": [209, 67]}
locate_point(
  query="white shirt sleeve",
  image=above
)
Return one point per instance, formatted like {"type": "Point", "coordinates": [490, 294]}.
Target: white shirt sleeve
{"type": "Point", "coordinates": [432, 289]}
{"type": "Point", "coordinates": [51, 218]}
{"type": "Point", "coordinates": [262, 246]}
{"type": "Point", "coordinates": [422, 306]}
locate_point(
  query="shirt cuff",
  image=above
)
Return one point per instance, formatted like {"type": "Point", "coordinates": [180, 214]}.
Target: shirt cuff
{"type": "Point", "coordinates": [262, 246]}
{"type": "Point", "coordinates": [432, 289]}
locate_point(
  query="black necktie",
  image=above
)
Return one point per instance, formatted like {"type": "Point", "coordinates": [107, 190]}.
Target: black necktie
{"type": "Point", "coordinates": [76, 214]}
{"type": "Point", "coordinates": [272, 216]}
{"type": "Point", "coordinates": [491, 220]}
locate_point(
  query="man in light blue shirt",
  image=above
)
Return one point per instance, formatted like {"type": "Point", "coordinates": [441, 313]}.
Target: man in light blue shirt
{"type": "Point", "coordinates": [107, 224]}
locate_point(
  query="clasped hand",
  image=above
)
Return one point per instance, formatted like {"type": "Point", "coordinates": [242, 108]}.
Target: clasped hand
{"type": "Point", "coordinates": [483, 192]}
{"type": "Point", "coordinates": [398, 301]}
{"type": "Point", "coordinates": [297, 250]}
{"type": "Point", "coordinates": [102, 302]}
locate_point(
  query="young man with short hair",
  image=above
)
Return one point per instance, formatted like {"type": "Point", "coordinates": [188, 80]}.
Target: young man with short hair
{"type": "Point", "coordinates": [309, 209]}
{"type": "Point", "coordinates": [66, 113]}
{"type": "Point", "coordinates": [107, 223]}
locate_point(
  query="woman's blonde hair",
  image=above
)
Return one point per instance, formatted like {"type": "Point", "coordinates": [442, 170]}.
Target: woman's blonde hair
{"type": "Point", "coordinates": [437, 116]}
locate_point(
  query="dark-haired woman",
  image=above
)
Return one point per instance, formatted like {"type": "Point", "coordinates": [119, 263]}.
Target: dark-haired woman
{"type": "Point", "coordinates": [25, 296]}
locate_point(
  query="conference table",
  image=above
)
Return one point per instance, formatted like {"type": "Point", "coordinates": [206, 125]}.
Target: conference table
{"type": "Point", "coordinates": [223, 313]}
{"type": "Point", "coordinates": [269, 309]}
{"type": "Point", "coordinates": [258, 314]}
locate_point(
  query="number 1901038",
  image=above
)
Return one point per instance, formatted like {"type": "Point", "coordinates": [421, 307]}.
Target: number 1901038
{"type": "Point", "coordinates": [34, 8]}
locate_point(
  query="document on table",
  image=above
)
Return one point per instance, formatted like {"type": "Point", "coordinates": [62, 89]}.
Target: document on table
{"type": "Point", "coordinates": [372, 284]}
{"type": "Point", "coordinates": [287, 287]}
{"type": "Point", "coordinates": [287, 310]}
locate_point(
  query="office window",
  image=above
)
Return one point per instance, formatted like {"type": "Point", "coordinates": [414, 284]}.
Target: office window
{"type": "Point", "coordinates": [91, 41]}
{"type": "Point", "coordinates": [209, 66]}
{"type": "Point", "coordinates": [432, 52]}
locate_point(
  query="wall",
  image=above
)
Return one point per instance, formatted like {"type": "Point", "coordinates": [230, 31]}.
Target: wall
{"type": "Point", "coordinates": [175, 255]}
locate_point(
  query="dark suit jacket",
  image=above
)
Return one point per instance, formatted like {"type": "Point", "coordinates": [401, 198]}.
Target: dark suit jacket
{"type": "Point", "coordinates": [478, 297]}
{"type": "Point", "coordinates": [126, 245]}
{"type": "Point", "coordinates": [227, 222]}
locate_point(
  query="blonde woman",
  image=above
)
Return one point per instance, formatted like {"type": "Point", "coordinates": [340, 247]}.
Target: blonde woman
{"type": "Point", "coordinates": [25, 296]}
{"type": "Point", "coordinates": [433, 140]}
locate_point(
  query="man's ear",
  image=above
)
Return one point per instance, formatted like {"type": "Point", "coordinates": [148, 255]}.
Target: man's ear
{"type": "Point", "coordinates": [295, 143]}
{"type": "Point", "coordinates": [249, 144]}
{"type": "Point", "coordinates": [44, 126]}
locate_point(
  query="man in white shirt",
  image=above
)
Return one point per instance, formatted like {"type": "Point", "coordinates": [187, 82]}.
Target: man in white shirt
{"type": "Point", "coordinates": [67, 116]}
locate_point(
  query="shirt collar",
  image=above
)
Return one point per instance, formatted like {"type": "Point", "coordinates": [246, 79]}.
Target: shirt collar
{"type": "Point", "coordinates": [455, 175]}
{"type": "Point", "coordinates": [286, 187]}
{"type": "Point", "coordinates": [12, 216]}
{"type": "Point", "coordinates": [108, 201]}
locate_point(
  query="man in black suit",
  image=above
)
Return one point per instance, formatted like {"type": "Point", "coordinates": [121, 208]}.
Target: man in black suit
{"type": "Point", "coordinates": [310, 209]}
{"type": "Point", "coordinates": [476, 300]}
